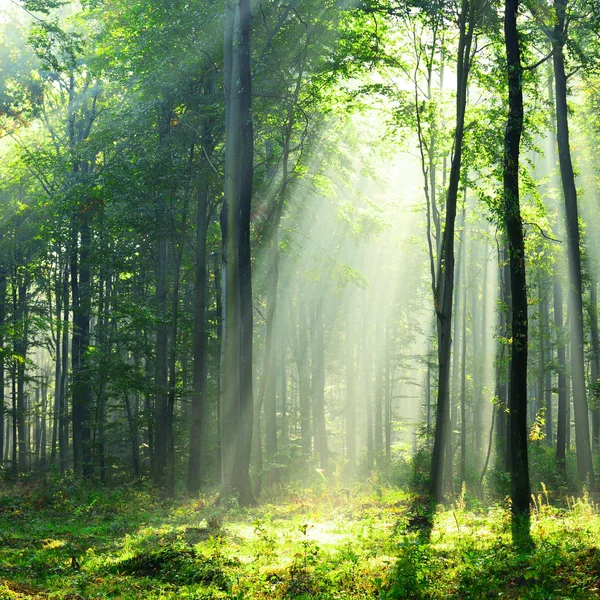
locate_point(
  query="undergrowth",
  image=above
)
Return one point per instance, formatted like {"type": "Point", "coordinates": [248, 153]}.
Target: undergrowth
{"type": "Point", "coordinates": [61, 540]}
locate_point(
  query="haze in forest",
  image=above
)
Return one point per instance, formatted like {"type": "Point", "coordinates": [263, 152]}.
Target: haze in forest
{"type": "Point", "coordinates": [250, 248]}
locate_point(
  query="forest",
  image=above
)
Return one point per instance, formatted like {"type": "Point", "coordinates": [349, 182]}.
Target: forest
{"type": "Point", "coordinates": [299, 299]}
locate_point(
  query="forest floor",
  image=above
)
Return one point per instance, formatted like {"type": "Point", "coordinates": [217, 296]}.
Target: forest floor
{"type": "Point", "coordinates": [58, 540]}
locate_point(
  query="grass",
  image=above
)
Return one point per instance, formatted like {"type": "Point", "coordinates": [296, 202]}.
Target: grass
{"type": "Point", "coordinates": [61, 541]}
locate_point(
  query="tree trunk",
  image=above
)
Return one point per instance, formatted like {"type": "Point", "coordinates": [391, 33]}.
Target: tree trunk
{"type": "Point", "coordinates": [594, 360]}
{"type": "Point", "coordinates": [197, 452]}
{"type": "Point", "coordinates": [318, 382]}
{"type": "Point", "coordinates": [81, 304]}
{"type": "Point", "coordinates": [350, 392]}
{"type": "Point", "coordinates": [582, 433]}
{"type": "Point", "coordinates": [21, 352]}
{"type": "Point", "coordinates": [520, 490]}
{"type": "Point", "coordinates": [444, 288]}
{"type": "Point", "coordinates": [236, 370]}
{"type": "Point", "coordinates": [63, 421]}
{"type": "Point", "coordinates": [161, 417]}
{"type": "Point", "coordinates": [304, 378]}
{"type": "Point", "coordinates": [2, 350]}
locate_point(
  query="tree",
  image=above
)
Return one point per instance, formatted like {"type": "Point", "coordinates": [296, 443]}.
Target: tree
{"type": "Point", "coordinates": [236, 358]}
{"type": "Point", "coordinates": [517, 398]}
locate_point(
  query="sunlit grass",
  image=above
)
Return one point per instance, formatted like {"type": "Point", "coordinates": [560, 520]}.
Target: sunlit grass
{"type": "Point", "coordinates": [61, 542]}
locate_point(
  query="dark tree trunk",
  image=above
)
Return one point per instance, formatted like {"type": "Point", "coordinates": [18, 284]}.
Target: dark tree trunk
{"type": "Point", "coordinates": [268, 382]}
{"type": "Point", "coordinates": [2, 349]}
{"type": "Point", "coordinates": [520, 490]}
{"type": "Point", "coordinates": [561, 359]}
{"type": "Point", "coordinates": [57, 366]}
{"type": "Point", "coordinates": [81, 302]}
{"type": "Point", "coordinates": [444, 288]}
{"type": "Point", "coordinates": [161, 368]}
{"type": "Point", "coordinates": [502, 362]}
{"type": "Point", "coordinates": [595, 361]}
{"type": "Point", "coordinates": [21, 352]}
{"type": "Point", "coordinates": [171, 395]}
{"type": "Point", "coordinates": [582, 433]}
{"type": "Point", "coordinates": [236, 372]}
{"type": "Point", "coordinates": [63, 421]}
{"type": "Point", "coordinates": [463, 390]}
{"type": "Point", "coordinates": [197, 452]}
{"type": "Point", "coordinates": [43, 423]}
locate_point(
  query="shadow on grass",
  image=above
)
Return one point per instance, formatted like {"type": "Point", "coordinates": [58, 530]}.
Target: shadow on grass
{"type": "Point", "coordinates": [470, 565]}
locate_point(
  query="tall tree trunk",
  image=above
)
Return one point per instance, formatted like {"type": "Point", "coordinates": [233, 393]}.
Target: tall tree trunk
{"type": "Point", "coordinates": [444, 287]}
{"type": "Point", "coordinates": [520, 490]}
{"type": "Point", "coordinates": [318, 382]}
{"type": "Point", "coordinates": [304, 378]}
{"type": "Point", "coordinates": [268, 382]}
{"type": "Point", "coordinates": [21, 352]}
{"type": "Point", "coordinates": [367, 378]}
{"type": "Point", "coordinates": [561, 359]}
{"type": "Point", "coordinates": [454, 402]}
{"type": "Point", "coordinates": [595, 360]}
{"type": "Point", "coordinates": [63, 421]}
{"type": "Point", "coordinates": [585, 465]}
{"type": "Point", "coordinates": [43, 424]}
{"type": "Point", "coordinates": [236, 371]}
{"type": "Point", "coordinates": [2, 350]}
{"type": "Point", "coordinates": [379, 384]}
{"type": "Point", "coordinates": [350, 392]}
{"type": "Point", "coordinates": [171, 395]}
{"type": "Point", "coordinates": [197, 452]}
{"type": "Point", "coordinates": [463, 387]}
{"type": "Point", "coordinates": [161, 369]}
{"type": "Point", "coordinates": [81, 388]}
{"type": "Point", "coordinates": [57, 365]}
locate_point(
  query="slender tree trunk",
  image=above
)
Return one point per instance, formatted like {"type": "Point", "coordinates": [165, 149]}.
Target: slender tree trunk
{"type": "Point", "coordinates": [161, 369]}
{"type": "Point", "coordinates": [388, 415]}
{"type": "Point", "coordinates": [81, 388]}
{"type": "Point", "coordinates": [318, 381]}
{"type": "Point", "coordinates": [268, 383]}
{"type": "Point", "coordinates": [561, 367]}
{"type": "Point", "coordinates": [350, 392]}
{"type": "Point", "coordinates": [304, 378]}
{"type": "Point", "coordinates": [444, 288]}
{"type": "Point", "coordinates": [171, 395]}
{"type": "Point", "coordinates": [63, 421]}
{"type": "Point", "coordinates": [379, 383]}
{"type": "Point", "coordinates": [2, 350]}
{"type": "Point", "coordinates": [520, 490]}
{"type": "Point", "coordinates": [57, 365]}
{"type": "Point", "coordinates": [463, 390]}
{"type": "Point", "coordinates": [561, 356]}
{"type": "Point", "coordinates": [595, 360]}
{"type": "Point", "coordinates": [198, 448]}
{"type": "Point", "coordinates": [367, 378]}
{"type": "Point", "coordinates": [43, 424]}
{"type": "Point", "coordinates": [21, 352]}
{"type": "Point", "coordinates": [582, 434]}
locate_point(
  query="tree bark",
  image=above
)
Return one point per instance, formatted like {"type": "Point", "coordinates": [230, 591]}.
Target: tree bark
{"type": "Point", "coordinates": [444, 288]}
{"type": "Point", "coordinates": [582, 434]}
{"type": "Point", "coordinates": [197, 453]}
{"type": "Point", "coordinates": [2, 349]}
{"type": "Point", "coordinates": [520, 489]}
{"type": "Point", "coordinates": [236, 370]}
